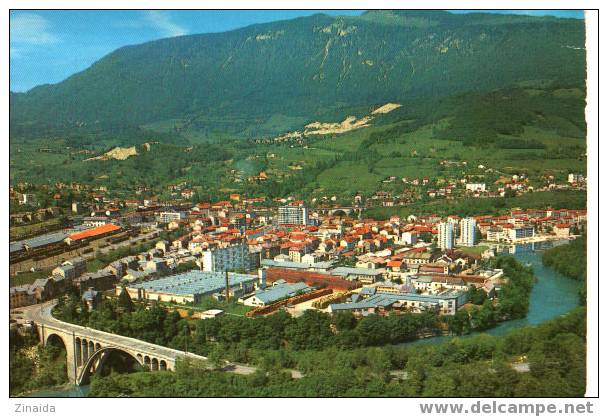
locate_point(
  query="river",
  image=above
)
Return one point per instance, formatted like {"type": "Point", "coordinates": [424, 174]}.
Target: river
{"type": "Point", "coordinates": [61, 392]}
{"type": "Point", "coordinates": [553, 295]}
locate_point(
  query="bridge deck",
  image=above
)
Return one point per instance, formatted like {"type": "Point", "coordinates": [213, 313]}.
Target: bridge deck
{"type": "Point", "coordinates": [41, 315]}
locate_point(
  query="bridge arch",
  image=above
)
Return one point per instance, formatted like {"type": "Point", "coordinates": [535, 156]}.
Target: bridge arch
{"type": "Point", "coordinates": [85, 350]}
{"type": "Point", "coordinates": [58, 340]}
{"type": "Point", "coordinates": [78, 351]}
{"type": "Point", "coordinates": [97, 360]}
{"type": "Point", "coordinates": [55, 338]}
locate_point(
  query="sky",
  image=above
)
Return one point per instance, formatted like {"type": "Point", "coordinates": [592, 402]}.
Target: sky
{"type": "Point", "coordinates": [47, 46]}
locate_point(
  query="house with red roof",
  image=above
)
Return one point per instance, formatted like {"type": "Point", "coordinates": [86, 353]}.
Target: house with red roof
{"type": "Point", "coordinates": [394, 265]}
{"type": "Point", "coordinates": [562, 230]}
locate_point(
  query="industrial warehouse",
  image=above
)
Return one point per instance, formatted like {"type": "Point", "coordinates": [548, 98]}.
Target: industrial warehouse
{"type": "Point", "coordinates": [192, 286]}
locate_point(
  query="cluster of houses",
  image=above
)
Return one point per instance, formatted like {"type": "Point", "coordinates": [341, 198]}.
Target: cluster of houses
{"type": "Point", "coordinates": [469, 185]}
{"type": "Point", "coordinates": [70, 273]}
{"type": "Point", "coordinates": [523, 224]}
{"type": "Point", "coordinates": [412, 264]}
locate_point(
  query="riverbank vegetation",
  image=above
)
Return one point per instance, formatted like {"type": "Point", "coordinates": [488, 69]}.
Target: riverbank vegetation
{"type": "Point", "coordinates": [550, 358]}
{"type": "Point", "coordinates": [32, 366]}
{"type": "Point", "coordinates": [571, 261]}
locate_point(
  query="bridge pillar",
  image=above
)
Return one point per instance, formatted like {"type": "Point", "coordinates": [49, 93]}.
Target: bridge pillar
{"type": "Point", "coordinates": [70, 359]}
{"type": "Point", "coordinates": [85, 357]}
{"type": "Point", "coordinates": [78, 351]}
{"type": "Point", "coordinates": [170, 365]}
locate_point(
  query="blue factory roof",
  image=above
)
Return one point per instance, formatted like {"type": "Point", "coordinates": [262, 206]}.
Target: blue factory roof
{"type": "Point", "coordinates": [381, 299]}
{"type": "Point", "coordinates": [368, 291]}
{"type": "Point", "coordinates": [195, 282]}
{"type": "Point", "coordinates": [38, 241]}
{"type": "Point", "coordinates": [43, 240]}
{"type": "Point", "coordinates": [351, 306]}
{"type": "Point", "coordinates": [278, 292]}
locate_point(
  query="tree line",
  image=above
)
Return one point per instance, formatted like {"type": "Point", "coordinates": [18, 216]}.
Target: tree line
{"type": "Point", "coordinates": [571, 261]}
{"type": "Point", "coordinates": [479, 366]}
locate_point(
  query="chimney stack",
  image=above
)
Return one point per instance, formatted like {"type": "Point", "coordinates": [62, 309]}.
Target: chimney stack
{"type": "Point", "coordinates": [227, 286]}
{"type": "Point", "coordinates": [262, 278]}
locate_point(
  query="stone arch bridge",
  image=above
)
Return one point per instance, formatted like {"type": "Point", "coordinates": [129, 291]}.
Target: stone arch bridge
{"type": "Point", "coordinates": [339, 211]}
{"type": "Point", "coordinates": [88, 349]}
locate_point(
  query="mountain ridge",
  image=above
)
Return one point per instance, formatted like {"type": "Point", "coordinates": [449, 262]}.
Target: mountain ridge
{"type": "Point", "coordinates": [296, 67]}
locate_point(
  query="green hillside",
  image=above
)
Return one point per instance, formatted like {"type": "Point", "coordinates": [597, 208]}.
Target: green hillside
{"type": "Point", "coordinates": [537, 131]}
{"type": "Point", "coordinates": [269, 78]}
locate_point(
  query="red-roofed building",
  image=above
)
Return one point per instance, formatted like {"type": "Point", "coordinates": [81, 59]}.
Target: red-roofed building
{"type": "Point", "coordinates": [310, 278]}
{"type": "Point", "coordinates": [221, 205]}
{"type": "Point", "coordinates": [433, 269]}
{"type": "Point", "coordinates": [94, 233]}
{"type": "Point", "coordinates": [394, 265]}
{"type": "Point", "coordinates": [562, 230]}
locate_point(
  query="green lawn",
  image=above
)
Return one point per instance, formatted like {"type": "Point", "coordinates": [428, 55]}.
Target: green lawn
{"type": "Point", "coordinates": [27, 277]}
{"type": "Point", "coordinates": [349, 177]}
{"type": "Point", "coordinates": [229, 307]}
{"type": "Point", "coordinates": [408, 167]}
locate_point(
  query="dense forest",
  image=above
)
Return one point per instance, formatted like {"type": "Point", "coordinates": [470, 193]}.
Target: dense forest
{"type": "Point", "coordinates": [552, 355]}
{"type": "Point", "coordinates": [407, 142]}
{"type": "Point", "coordinates": [494, 118]}
{"type": "Point", "coordinates": [568, 259]}
{"type": "Point", "coordinates": [571, 261]}
{"type": "Point", "coordinates": [33, 366]}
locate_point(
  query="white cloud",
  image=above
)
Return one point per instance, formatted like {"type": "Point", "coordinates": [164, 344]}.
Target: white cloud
{"type": "Point", "coordinates": [31, 29]}
{"type": "Point", "coordinates": [162, 23]}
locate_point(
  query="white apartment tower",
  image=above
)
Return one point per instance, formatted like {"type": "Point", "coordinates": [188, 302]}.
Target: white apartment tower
{"type": "Point", "coordinates": [293, 214]}
{"type": "Point", "coordinates": [228, 258]}
{"type": "Point", "coordinates": [445, 240]}
{"type": "Point", "coordinates": [468, 229]}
